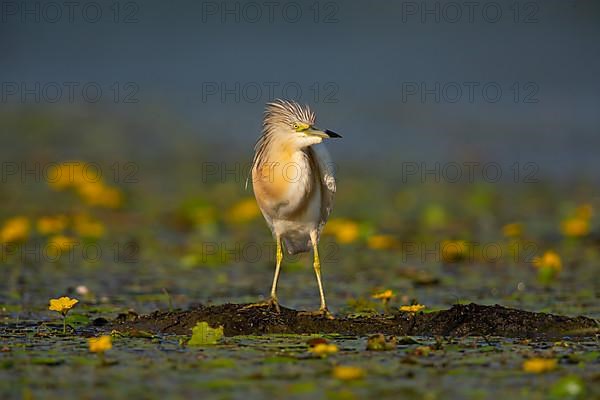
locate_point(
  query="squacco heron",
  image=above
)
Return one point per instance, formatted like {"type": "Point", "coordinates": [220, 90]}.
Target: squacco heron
{"type": "Point", "coordinates": [294, 184]}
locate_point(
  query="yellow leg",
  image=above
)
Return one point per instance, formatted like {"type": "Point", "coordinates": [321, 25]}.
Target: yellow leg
{"type": "Point", "coordinates": [279, 256]}
{"type": "Point", "coordinates": [272, 302]}
{"type": "Point", "coordinates": [317, 266]}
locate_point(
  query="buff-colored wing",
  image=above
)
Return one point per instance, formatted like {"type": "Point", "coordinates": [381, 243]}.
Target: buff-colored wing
{"type": "Point", "coordinates": [326, 173]}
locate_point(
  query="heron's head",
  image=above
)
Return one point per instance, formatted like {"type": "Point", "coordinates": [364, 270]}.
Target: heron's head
{"type": "Point", "coordinates": [294, 124]}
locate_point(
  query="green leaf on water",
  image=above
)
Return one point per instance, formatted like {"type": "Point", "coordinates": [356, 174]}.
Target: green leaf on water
{"type": "Point", "coordinates": [487, 349]}
{"type": "Point", "coordinates": [569, 387]}
{"type": "Point", "coordinates": [279, 359]}
{"type": "Point", "coordinates": [203, 334]}
{"type": "Point", "coordinates": [77, 320]}
{"type": "Point", "coordinates": [227, 363]}
{"type": "Point", "coordinates": [302, 388]}
{"type": "Point", "coordinates": [380, 343]}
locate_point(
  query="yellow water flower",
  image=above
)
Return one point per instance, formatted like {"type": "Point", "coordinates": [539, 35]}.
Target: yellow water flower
{"type": "Point", "coordinates": [52, 224]}
{"type": "Point", "coordinates": [512, 230]}
{"type": "Point", "coordinates": [345, 230]}
{"type": "Point", "coordinates": [90, 191]}
{"type": "Point", "coordinates": [382, 242]}
{"type": "Point", "coordinates": [413, 308]}
{"type": "Point", "coordinates": [96, 193]}
{"type": "Point", "coordinates": [548, 265]}
{"type": "Point", "coordinates": [62, 305]}
{"type": "Point", "coordinates": [100, 344]}
{"type": "Point", "coordinates": [68, 174]}
{"type": "Point", "coordinates": [384, 296]}
{"type": "Point", "coordinates": [244, 211]}
{"type": "Point", "coordinates": [110, 197]}
{"type": "Point", "coordinates": [58, 244]}
{"type": "Point", "coordinates": [324, 349]}
{"type": "Point", "coordinates": [578, 225]}
{"type": "Point", "coordinates": [539, 365]}
{"type": "Point", "coordinates": [575, 227]}
{"type": "Point", "coordinates": [453, 250]}
{"type": "Point", "coordinates": [15, 229]}
{"type": "Point", "coordinates": [348, 372]}
{"type": "Point", "coordinates": [87, 227]}
{"type": "Point", "coordinates": [549, 260]}
{"type": "Point", "coordinates": [86, 179]}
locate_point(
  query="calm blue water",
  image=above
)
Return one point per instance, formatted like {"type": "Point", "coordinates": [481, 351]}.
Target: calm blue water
{"type": "Point", "coordinates": [418, 81]}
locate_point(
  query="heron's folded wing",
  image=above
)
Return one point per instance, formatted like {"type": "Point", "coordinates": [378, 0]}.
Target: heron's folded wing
{"type": "Point", "coordinates": [326, 173]}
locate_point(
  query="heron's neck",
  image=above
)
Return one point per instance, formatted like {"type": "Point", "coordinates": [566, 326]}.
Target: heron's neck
{"type": "Point", "coordinates": [285, 152]}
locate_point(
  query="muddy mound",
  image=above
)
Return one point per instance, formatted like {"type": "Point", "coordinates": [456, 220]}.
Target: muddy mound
{"type": "Point", "coordinates": [460, 320]}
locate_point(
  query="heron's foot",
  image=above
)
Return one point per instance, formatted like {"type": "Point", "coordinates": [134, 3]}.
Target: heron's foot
{"type": "Point", "coordinates": [271, 303]}
{"type": "Point", "coordinates": [321, 312]}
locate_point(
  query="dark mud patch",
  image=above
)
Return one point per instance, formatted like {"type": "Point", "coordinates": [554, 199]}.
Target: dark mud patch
{"type": "Point", "coordinates": [460, 320]}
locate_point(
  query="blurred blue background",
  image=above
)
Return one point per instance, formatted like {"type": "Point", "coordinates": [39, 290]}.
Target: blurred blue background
{"type": "Point", "coordinates": [199, 73]}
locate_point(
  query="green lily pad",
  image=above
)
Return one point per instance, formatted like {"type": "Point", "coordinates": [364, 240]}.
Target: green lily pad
{"type": "Point", "coordinates": [77, 320]}
{"type": "Point", "coordinates": [203, 334]}
{"type": "Point", "coordinates": [569, 387]}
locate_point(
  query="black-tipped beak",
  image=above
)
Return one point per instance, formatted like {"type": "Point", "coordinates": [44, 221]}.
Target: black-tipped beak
{"type": "Point", "coordinates": [332, 134]}
{"type": "Point", "coordinates": [314, 131]}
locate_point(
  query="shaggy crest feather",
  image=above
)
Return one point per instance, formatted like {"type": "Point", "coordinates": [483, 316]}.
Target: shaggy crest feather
{"type": "Point", "coordinates": [277, 113]}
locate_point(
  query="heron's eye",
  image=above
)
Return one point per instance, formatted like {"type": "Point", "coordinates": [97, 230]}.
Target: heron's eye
{"type": "Point", "coordinates": [295, 126]}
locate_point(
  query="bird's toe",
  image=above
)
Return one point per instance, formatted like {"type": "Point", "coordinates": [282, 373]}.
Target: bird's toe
{"type": "Point", "coordinates": [271, 303]}
{"type": "Point", "coordinates": [322, 312]}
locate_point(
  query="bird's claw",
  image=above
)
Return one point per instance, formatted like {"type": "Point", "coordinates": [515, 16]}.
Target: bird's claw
{"type": "Point", "coordinates": [321, 312]}
{"type": "Point", "coordinates": [271, 303]}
